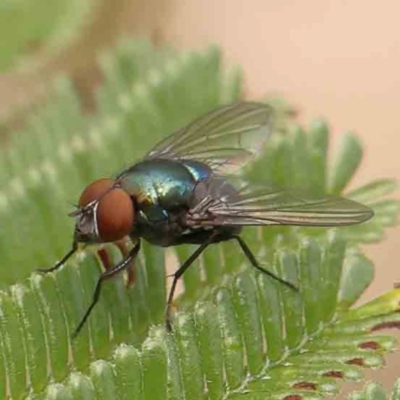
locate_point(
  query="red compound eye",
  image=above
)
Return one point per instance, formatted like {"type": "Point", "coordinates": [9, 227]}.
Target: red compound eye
{"type": "Point", "coordinates": [114, 213]}
{"type": "Point", "coordinates": [94, 191]}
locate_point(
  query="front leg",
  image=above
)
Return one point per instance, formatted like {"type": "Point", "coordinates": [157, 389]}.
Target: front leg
{"type": "Point", "coordinates": [60, 263]}
{"type": "Point", "coordinates": [121, 266]}
{"type": "Point", "coordinates": [124, 245]}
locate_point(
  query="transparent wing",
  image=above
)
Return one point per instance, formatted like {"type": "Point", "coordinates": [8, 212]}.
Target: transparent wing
{"type": "Point", "coordinates": [225, 139]}
{"type": "Point", "coordinates": [266, 206]}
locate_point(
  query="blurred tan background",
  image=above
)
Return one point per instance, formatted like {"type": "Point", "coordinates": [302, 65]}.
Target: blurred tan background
{"type": "Point", "coordinates": [333, 58]}
{"type": "Point", "coordinates": [338, 59]}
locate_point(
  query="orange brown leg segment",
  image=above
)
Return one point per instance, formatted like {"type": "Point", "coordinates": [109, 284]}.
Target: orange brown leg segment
{"type": "Point", "coordinates": [123, 245]}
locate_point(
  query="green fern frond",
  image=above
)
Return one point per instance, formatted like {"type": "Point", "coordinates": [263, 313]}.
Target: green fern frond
{"type": "Point", "coordinates": [251, 339]}
{"type": "Point", "coordinates": [238, 334]}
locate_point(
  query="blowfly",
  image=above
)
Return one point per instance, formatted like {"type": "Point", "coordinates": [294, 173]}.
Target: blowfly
{"type": "Point", "coordinates": [180, 193]}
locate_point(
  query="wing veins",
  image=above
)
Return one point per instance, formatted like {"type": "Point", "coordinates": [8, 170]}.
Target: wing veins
{"type": "Point", "coordinates": [239, 125]}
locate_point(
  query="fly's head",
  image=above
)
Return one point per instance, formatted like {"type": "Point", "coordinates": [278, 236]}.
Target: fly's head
{"type": "Point", "coordinates": [105, 213]}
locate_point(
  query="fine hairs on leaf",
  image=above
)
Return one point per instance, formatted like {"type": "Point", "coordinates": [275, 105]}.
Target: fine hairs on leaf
{"type": "Point", "coordinates": [237, 333]}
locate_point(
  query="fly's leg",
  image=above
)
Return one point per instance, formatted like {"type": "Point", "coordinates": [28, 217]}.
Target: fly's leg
{"type": "Point", "coordinates": [105, 258]}
{"type": "Point", "coordinates": [250, 256]}
{"type": "Point", "coordinates": [178, 274]}
{"type": "Point", "coordinates": [104, 276]}
{"type": "Point", "coordinates": [124, 248]}
{"type": "Point", "coordinates": [61, 262]}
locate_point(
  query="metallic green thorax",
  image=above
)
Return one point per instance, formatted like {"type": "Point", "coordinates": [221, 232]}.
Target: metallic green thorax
{"type": "Point", "coordinates": [162, 191]}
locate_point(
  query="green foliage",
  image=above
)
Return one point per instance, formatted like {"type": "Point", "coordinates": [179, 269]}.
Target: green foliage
{"type": "Point", "coordinates": [237, 334]}
{"type": "Point", "coordinates": [29, 26]}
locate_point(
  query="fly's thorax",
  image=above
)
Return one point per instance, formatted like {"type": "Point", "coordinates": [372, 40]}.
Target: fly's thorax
{"type": "Point", "coordinates": [163, 192]}
{"type": "Point", "coordinates": [159, 187]}
{"type": "Point", "coordinates": [106, 213]}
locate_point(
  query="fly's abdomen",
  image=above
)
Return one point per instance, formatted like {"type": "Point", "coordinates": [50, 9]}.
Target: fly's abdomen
{"type": "Point", "coordinates": [197, 169]}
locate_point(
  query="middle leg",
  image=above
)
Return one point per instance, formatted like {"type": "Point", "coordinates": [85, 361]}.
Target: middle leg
{"type": "Point", "coordinates": [179, 273]}
{"type": "Point", "coordinates": [250, 256]}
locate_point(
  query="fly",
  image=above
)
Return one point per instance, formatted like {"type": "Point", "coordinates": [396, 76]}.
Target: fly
{"type": "Point", "coordinates": [179, 193]}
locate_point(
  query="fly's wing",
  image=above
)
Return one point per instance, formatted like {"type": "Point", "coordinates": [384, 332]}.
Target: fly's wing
{"type": "Point", "coordinates": [266, 206]}
{"type": "Point", "coordinates": [224, 139]}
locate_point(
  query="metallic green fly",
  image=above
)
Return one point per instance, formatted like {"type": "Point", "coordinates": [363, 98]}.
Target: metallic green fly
{"type": "Point", "coordinates": [180, 193]}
